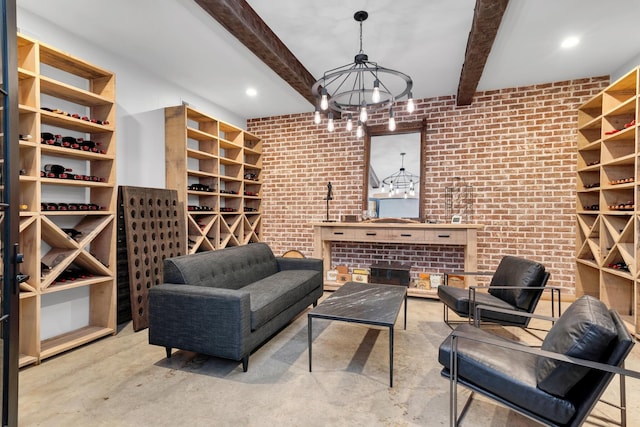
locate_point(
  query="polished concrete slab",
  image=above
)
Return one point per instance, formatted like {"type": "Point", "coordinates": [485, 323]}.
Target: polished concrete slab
{"type": "Point", "coordinates": [123, 381]}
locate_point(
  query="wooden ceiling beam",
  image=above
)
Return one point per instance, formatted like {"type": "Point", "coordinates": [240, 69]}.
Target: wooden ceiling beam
{"type": "Point", "coordinates": [486, 21]}
{"type": "Point", "coordinates": [244, 23]}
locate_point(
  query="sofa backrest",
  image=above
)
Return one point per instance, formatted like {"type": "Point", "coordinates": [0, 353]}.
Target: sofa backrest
{"type": "Point", "coordinates": [515, 271]}
{"type": "Point", "coordinates": [229, 268]}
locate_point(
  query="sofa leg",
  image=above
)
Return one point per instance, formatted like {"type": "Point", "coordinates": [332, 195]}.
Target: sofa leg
{"type": "Point", "coordinates": [168, 350]}
{"type": "Point", "coordinates": [315, 303]}
{"type": "Point", "coordinates": [245, 363]}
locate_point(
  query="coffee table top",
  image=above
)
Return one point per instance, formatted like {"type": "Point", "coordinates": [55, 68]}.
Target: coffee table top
{"type": "Point", "coordinates": [369, 303]}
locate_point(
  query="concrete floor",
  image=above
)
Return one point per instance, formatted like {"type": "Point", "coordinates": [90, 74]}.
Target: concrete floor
{"type": "Point", "coordinates": [123, 381]}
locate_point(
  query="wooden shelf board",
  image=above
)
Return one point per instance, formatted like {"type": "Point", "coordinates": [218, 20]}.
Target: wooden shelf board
{"type": "Point", "coordinates": [77, 154]}
{"type": "Point", "coordinates": [27, 294]}
{"type": "Point", "coordinates": [71, 93]}
{"type": "Point", "coordinates": [58, 287]}
{"type": "Point", "coordinates": [75, 183]}
{"type": "Point", "coordinates": [27, 109]}
{"type": "Point", "coordinates": [228, 161]}
{"type": "Point", "coordinates": [228, 144]}
{"type": "Point", "coordinates": [27, 144]}
{"type": "Point", "coordinates": [77, 213]}
{"type": "Point", "coordinates": [70, 64]}
{"type": "Point", "coordinates": [52, 346]}
{"type": "Point", "coordinates": [24, 74]}
{"type": "Point", "coordinates": [25, 360]}
{"type": "Point", "coordinates": [201, 174]}
{"type": "Point", "coordinates": [198, 135]}
{"type": "Point", "coordinates": [201, 155]}
{"type": "Point", "coordinates": [72, 123]}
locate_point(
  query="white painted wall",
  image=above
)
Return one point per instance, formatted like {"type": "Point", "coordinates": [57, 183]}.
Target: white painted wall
{"type": "Point", "coordinates": [141, 97]}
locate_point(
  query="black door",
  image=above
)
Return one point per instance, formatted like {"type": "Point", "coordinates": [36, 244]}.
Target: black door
{"type": "Point", "coordinates": [9, 216]}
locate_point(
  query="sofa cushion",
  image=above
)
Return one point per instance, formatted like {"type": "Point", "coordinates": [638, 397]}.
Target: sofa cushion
{"type": "Point", "coordinates": [274, 294]}
{"type": "Point", "coordinates": [585, 331]}
{"type": "Point", "coordinates": [508, 374]}
{"type": "Point", "coordinates": [230, 268]}
{"type": "Point", "coordinates": [515, 271]}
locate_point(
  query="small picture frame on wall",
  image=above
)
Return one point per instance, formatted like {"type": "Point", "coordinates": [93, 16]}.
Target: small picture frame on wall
{"type": "Point", "coordinates": [456, 219]}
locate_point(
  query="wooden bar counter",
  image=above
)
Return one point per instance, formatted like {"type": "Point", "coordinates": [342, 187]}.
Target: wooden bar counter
{"type": "Point", "coordinates": [465, 235]}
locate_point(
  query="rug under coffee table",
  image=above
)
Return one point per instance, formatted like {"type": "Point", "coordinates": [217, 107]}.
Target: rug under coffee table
{"type": "Point", "coordinates": [367, 303]}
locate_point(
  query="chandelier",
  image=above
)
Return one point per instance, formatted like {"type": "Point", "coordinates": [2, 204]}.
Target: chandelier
{"type": "Point", "coordinates": [401, 182]}
{"type": "Point", "coordinates": [354, 91]}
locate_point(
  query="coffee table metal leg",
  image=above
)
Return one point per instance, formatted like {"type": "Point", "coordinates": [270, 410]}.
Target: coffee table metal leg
{"type": "Point", "coordinates": [405, 311]}
{"type": "Point", "coordinates": [309, 318]}
{"type": "Point", "coordinates": [391, 356]}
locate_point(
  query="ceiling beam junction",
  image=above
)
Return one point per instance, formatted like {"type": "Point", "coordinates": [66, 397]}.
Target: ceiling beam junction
{"type": "Point", "coordinates": [484, 28]}
{"type": "Point", "coordinates": [244, 23]}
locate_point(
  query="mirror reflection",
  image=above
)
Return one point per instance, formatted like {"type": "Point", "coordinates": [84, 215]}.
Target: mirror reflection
{"type": "Point", "coordinates": [394, 176]}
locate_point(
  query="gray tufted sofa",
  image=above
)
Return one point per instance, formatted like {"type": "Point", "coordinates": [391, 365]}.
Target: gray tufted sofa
{"type": "Point", "coordinates": [227, 302]}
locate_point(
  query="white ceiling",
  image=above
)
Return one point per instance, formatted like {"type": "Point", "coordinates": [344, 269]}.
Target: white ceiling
{"type": "Point", "coordinates": [426, 39]}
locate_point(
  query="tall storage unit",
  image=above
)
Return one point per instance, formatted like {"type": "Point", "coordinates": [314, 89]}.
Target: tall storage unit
{"type": "Point", "coordinates": [67, 217]}
{"type": "Point", "coordinates": [217, 170]}
{"type": "Point", "coordinates": [608, 233]}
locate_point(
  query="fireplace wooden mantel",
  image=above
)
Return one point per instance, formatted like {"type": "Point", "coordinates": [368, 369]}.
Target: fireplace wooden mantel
{"type": "Point", "coordinates": [465, 235]}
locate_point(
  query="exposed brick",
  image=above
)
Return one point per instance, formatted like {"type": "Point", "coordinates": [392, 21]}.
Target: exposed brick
{"type": "Point", "coordinates": [515, 146]}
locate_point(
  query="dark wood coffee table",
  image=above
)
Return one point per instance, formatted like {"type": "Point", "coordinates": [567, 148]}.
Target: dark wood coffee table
{"type": "Point", "coordinates": [367, 303]}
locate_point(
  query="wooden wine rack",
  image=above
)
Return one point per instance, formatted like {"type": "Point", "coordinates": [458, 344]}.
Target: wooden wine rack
{"type": "Point", "coordinates": [226, 162]}
{"type": "Point", "coordinates": [55, 314]}
{"type": "Point", "coordinates": [607, 213]}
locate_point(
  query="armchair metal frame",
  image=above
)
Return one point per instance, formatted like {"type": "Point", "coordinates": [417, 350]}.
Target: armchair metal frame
{"type": "Point", "coordinates": [472, 299]}
{"type": "Point", "coordinates": [454, 380]}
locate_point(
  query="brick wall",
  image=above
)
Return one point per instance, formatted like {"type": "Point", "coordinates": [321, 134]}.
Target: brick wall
{"type": "Point", "coordinates": [515, 146]}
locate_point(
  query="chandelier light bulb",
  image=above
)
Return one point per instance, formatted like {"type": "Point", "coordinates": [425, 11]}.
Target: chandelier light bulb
{"type": "Point", "coordinates": [359, 131]}
{"type": "Point", "coordinates": [330, 126]}
{"type": "Point", "coordinates": [375, 97]}
{"type": "Point", "coordinates": [363, 112]}
{"type": "Point", "coordinates": [392, 120]}
{"type": "Point", "coordinates": [361, 87]}
{"type": "Point", "coordinates": [349, 122]}
{"type": "Point", "coordinates": [324, 102]}
{"type": "Point", "coordinates": [410, 106]}
{"type": "Point", "coordinates": [316, 117]}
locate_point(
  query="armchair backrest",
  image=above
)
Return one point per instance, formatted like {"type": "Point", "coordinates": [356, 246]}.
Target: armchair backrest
{"type": "Point", "coordinates": [515, 271]}
{"type": "Point", "coordinates": [588, 391]}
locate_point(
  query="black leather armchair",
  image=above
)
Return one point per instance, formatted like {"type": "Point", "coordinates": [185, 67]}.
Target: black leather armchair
{"type": "Point", "coordinates": [516, 286]}
{"type": "Point", "coordinates": [557, 384]}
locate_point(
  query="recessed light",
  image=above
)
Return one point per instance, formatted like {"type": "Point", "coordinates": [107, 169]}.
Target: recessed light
{"type": "Point", "coordinates": [251, 92]}
{"type": "Point", "coordinates": [570, 42]}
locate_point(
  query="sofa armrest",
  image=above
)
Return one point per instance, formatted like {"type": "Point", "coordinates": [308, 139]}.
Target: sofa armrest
{"type": "Point", "coordinates": [299, 264]}
{"type": "Point", "coordinates": [199, 317]}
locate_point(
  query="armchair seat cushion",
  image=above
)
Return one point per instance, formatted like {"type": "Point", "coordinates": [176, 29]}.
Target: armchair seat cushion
{"type": "Point", "coordinates": [508, 374]}
{"type": "Point", "coordinates": [274, 294]}
{"type": "Point", "coordinates": [457, 299]}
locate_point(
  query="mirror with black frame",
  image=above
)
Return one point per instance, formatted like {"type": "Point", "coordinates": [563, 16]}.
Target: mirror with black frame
{"type": "Point", "coordinates": [394, 172]}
